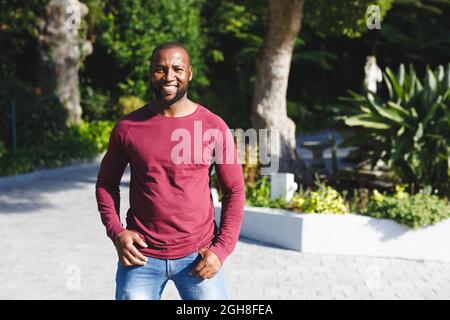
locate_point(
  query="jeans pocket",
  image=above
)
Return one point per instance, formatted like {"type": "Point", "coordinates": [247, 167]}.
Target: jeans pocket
{"type": "Point", "coordinates": [193, 258]}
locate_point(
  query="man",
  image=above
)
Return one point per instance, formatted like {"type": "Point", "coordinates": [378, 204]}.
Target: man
{"type": "Point", "coordinates": [171, 233]}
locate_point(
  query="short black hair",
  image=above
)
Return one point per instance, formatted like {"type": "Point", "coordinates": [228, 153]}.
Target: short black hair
{"type": "Point", "coordinates": [169, 45]}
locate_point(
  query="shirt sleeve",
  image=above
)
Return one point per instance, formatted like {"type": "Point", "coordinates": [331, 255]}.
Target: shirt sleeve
{"type": "Point", "coordinates": [231, 183]}
{"type": "Point", "coordinates": [108, 180]}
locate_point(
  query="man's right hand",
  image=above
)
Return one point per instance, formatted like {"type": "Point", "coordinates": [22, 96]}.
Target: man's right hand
{"type": "Point", "coordinates": [128, 254]}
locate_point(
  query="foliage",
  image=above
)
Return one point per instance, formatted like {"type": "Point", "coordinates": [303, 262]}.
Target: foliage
{"type": "Point", "coordinates": [415, 211]}
{"type": "Point", "coordinates": [2, 149]}
{"type": "Point", "coordinates": [258, 195]}
{"type": "Point", "coordinates": [410, 129]}
{"type": "Point", "coordinates": [127, 31]}
{"type": "Point", "coordinates": [341, 17]}
{"type": "Point", "coordinates": [18, 25]}
{"type": "Point", "coordinates": [416, 30]}
{"type": "Point", "coordinates": [224, 38]}
{"type": "Point", "coordinates": [323, 200]}
{"type": "Point", "coordinates": [124, 33]}
{"type": "Point", "coordinates": [236, 37]}
{"type": "Point", "coordinates": [418, 210]}
{"type": "Point", "coordinates": [231, 45]}
{"type": "Point", "coordinates": [96, 104]}
{"type": "Point", "coordinates": [358, 200]}
{"type": "Point", "coordinates": [95, 134]}
{"type": "Point", "coordinates": [314, 116]}
{"type": "Point", "coordinates": [38, 117]}
{"type": "Point", "coordinates": [79, 142]}
{"type": "Point", "coordinates": [128, 104]}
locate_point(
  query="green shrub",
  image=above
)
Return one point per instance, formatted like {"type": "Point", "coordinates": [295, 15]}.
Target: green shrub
{"type": "Point", "coordinates": [358, 199]}
{"type": "Point", "coordinates": [96, 134]}
{"type": "Point", "coordinates": [38, 117]}
{"type": "Point", "coordinates": [96, 104]}
{"type": "Point", "coordinates": [2, 149]}
{"type": "Point", "coordinates": [419, 210]}
{"type": "Point", "coordinates": [323, 200]}
{"type": "Point", "coordinates": [128, 104]}
{"type": "Point", "coordinates": [78, 142]}
{"type": "Point", "coordinates": [410, 128]}
{"type": "Point", "coordinates": [341, 17]}
{"type": "Point", "coordinates": [258, 195]}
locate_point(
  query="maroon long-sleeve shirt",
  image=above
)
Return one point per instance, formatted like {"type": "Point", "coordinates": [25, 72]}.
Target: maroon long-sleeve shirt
{"type": "Point", "coordinates": [170, 159]}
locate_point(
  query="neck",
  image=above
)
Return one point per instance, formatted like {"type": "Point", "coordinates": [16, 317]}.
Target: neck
{"type": "Point", "coordinates": [173, 110]}
{"type": "Point", "coordinates": [182, 107]}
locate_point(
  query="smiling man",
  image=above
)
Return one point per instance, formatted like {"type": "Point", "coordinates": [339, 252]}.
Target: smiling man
{"type": "Point", "coordinates": [170, 232]}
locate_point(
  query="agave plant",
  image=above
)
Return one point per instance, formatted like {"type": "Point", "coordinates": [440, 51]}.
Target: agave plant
{"type": "Point", "coordinates": [409, 127]}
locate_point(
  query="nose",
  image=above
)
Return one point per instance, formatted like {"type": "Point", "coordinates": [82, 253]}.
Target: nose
{"type": "Point", "coordinates": [170, 75]}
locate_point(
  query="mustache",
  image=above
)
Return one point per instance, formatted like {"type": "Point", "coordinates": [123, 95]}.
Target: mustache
{"type": "Point", "coordinates": [181, 91]}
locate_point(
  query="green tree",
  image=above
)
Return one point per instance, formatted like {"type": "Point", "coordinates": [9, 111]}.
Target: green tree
{"type": "Point", "coordinates": [269, 107]}
{"type": "Point", "coordinates": [341, 17]}
{"type": "Point", "coordinates": [232, 43]}
{"type": "Point", "coordinates": [18, 32]}
{"type": "Point", "coordinates": [62, 49]}
{"type": "Point", "coordinates": [416, 31]}
{"type": "Point", "coordinates": [125, 33]}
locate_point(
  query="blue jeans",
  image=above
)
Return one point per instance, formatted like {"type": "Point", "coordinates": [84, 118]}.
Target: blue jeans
{"type": "Point", "coordinates": [148, 282]}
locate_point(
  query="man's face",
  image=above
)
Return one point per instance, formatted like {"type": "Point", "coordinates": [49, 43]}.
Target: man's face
{"type": "Point", "coordinates": [171, 72]}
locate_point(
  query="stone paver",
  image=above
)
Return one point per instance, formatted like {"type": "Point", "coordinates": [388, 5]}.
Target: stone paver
{"type": "Point", "coordinates": [55, 247]}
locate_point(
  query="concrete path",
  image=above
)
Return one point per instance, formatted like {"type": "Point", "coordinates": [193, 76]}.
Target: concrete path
{"type": "Point", "coordinates": [54, 247]}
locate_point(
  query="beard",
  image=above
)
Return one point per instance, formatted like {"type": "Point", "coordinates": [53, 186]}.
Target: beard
{"type": "Point", "coordinates": [181, 91]}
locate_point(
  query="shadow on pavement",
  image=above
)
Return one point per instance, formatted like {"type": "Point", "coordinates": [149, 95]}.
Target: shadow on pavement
{"type": "Point", "coordinates": [28, 193]}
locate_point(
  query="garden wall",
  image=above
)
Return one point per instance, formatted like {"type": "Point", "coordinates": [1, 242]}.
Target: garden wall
{"type": "Point", "coordinates": [345, 234]}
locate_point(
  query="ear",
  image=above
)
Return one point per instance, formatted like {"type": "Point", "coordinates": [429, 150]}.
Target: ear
{"type": "Point", "coordinates": [190, 71]}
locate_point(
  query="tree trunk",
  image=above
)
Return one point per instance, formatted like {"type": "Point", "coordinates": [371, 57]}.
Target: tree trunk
{"type": "Point", "coordinates": [269, 109]}
{"type": "Point", "coordinates": [61, 51]}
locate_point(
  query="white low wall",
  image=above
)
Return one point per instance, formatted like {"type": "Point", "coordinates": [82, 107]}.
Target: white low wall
{"type": "Point", "coordinates": [345, 234]}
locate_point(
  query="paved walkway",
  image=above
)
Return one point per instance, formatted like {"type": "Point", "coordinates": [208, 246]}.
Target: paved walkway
{"type": "Point", "coordinates": [54, 247]}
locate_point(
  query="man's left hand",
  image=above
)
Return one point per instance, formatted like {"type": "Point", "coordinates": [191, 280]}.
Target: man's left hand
{"type": "Point", "coordinates": [208, 266]}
